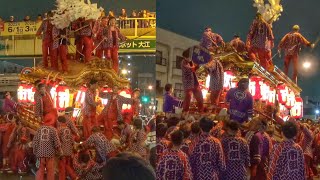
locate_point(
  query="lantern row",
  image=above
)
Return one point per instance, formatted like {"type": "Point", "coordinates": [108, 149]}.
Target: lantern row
{"type": "Point", "coordinates": [62, 98]}
{"type": "Point", "coordinates": [260, 90]}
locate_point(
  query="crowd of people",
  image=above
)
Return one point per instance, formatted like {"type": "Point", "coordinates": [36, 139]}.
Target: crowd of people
{"type": "Point", "coordinates": [238, 144]}
{"type": "Point", "coordinates": [94, 150]}
{"type": "Point", "coordinates": [215, 147]}
{"type": "Point", "coordinates": [122, 16]}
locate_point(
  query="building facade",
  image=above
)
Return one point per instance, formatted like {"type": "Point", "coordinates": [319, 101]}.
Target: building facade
{"type": "Point", "coordinates": [168, 62]}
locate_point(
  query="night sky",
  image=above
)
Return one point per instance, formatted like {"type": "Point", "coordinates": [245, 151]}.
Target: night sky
{"type": "Point", "coordinates": [228, 17]}
{"type": "Point", "coordinates": [21, 8]}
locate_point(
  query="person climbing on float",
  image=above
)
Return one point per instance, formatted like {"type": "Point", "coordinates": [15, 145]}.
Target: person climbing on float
{"type": "Point", "coordinates": [112, 111]}
{"type": "Point", "coordinates": [211, 40]}
{"type": "Point", "coordinates": [190, 83]}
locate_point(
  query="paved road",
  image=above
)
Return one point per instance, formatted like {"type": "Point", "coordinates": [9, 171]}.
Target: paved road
{"type": "Point", "coordinates": [15, 177]}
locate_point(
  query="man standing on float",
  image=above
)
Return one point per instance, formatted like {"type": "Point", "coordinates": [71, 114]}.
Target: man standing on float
{"type": "Point", "coordinates": [46, 30]}
{"type": "Point", "coordinates": [86, 39]}
{"type": "Point", "coordinates": [291, 43]}
{"type": "Point", "coordinates": [260, 41]}
{"type": "Point", "coordinates": [114, 37]}
{"type": "Point", "coordinates": [100, 35]}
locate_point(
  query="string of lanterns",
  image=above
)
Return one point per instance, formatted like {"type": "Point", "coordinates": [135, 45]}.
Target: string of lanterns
{"type": "Point", "coordinates": [63, 98]}
{"type": "Point", "coordinates": [261, 90]}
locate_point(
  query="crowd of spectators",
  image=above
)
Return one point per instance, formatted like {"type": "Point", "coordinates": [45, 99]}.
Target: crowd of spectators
{"type": "Point", "coordinates": [123, 17]}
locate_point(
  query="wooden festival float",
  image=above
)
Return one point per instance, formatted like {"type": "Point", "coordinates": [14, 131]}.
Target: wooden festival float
{"type": "Point", "coordinates": [275, 95]}
{"type": "Point", "coordinates": [68, 90]}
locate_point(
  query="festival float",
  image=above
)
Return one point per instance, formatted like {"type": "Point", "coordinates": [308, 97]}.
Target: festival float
{"type": "Point", "coordinates": [68, 90]}
{"type": "Point", "coordinates": [270, 88]}
{"type": "Point", "coordinates": [275, 95]}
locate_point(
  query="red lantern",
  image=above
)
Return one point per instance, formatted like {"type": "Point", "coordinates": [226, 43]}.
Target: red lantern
{"type": "Point", "coordinates": [265, 89]}
{"type": "Point", "coordinates": [229, 80]}
{"type": "Point", "coordinates": [81, 94]}
{"type": "Point", "coordinates": [31, 95]}
{"type": "Point", "coordinates": [126, 107]}
{"type": "Point", "coordinates": [22, 93]}
{"type": "Point", "coordinates": [291, 99]}
{"type": "Point", "coordinates": [297, 109]}
{"type": "Point", "coordinates": [53, 93]}
{"type": "Point", "coordinates": [63, 96]}
{"type": "Point", "coordinates": [271, 96]}
{"type": "Point", "coordinates": [105, 89]}
{"type": "Point", "coordinates": [254, 87]}
{"type": "Point", "coordinates": [283, 92]}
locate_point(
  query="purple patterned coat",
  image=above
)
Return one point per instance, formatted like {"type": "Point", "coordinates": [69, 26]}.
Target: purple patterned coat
{"type": "Point", "coordinates": [207, 158]}
{"type": "Point", "coordinates": [241, 104]}
{"type": "Point", "coordinates": [236, 151]}
{"type": "Point", "coordinates": [216, 76]}
{"type": "Point", "coordinates": [173, 165]}
{"type": "Point", "coordinates": [189, 78]}
{"type": "Point", "coordinates": [286, 162]}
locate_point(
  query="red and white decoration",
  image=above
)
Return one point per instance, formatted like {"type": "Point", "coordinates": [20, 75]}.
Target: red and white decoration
{"type": "Point", "coordinates": [81, 94]}
{"type": "Point", "coordinates": [105, 89]}
{"type": "Point", "coordinates": [62, 96]}
{"type": "Point", "coordinates": [297, 110]}
{"type": "Point", "coordinates": [126, 107]}
{"type": "Point", "coordinates": [229, 80]}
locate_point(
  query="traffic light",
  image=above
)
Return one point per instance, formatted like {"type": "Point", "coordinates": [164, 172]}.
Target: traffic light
{"type": "Point", "coordinates": [145, 99]}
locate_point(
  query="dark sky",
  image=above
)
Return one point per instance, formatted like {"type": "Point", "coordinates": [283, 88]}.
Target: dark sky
{"type": "Point", "coordinates": [21, 8]}
{"type": "Point", "coordinates": [228, 17]}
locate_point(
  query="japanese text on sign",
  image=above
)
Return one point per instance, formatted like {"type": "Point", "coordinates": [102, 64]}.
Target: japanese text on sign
{"type": "Point", "coordinates": [138, 44]}
{"type": "Point", "coordinates": [20, 28]}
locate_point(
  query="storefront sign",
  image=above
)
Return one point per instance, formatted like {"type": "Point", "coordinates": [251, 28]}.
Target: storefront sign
{"type": "Point", "coordinates": [138, 44]}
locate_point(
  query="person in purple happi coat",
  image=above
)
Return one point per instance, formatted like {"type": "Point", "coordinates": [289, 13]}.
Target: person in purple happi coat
{"type": "Point", "coordinates": [173, 163]}
{"type": "Point", "coordinates": [240, 102]}
{"type": "Point", "coordinates": [287, 160]}
{"type": "Point", "coordinates": [236, 151]}
{"type": "Point", "coordinates": [206, 155]}
{"type": "Point", "coordinates": [190, 83]}
{"type": "Point", "coordinates": [170, 102]}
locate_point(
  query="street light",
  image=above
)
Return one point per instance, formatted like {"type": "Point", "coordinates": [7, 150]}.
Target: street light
{"type": "Point", "coordinates": [306, 64]}
{"type": "Point", "coordinates": [317, 111]}
{"type": "Point", "coordinates": [124, 71]}
{"type": "Point", "coordinates": [150, 87]}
